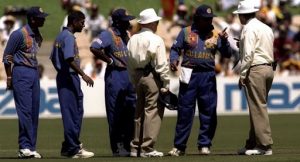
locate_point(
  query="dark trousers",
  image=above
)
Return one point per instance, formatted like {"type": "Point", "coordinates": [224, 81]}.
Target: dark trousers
{"type": "Point", "coordinates": [71, 106]}
{"type": "Point", "coordinates": [202, 87]}
{"type": "Point", "coordinates": [120, 100]}
{"type": "Point", "coordinates": [26, 90]}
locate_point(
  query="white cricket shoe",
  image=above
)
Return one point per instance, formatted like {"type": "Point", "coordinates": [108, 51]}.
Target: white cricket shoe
{"type": "Point", "coordinates": [152, 154]}
{"type": "Point", "coordinates": [82, 153]}
{"type": "Point", "coordinates": [258, 151]}
{"type": "Point", "coordinates": [25, 154]}
{"type": "Point", "coordinates": [176, 152]}
{"type": "Point", "coordinates": [204, 151]}
{"type": "Point", "coordinates": [36, 155]}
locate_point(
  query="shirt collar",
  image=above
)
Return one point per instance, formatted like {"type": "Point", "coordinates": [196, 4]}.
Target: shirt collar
{"type": "Point", "coordinates": [66, 28]}
{"type": "Point", "coordinates": [251, 20]}
{"type": "Point", "coordinates": [116, 31]}
{"type": "Point", "coordinates": [28, 28]}
{"type": "Point", "coordinates": [146, 29]}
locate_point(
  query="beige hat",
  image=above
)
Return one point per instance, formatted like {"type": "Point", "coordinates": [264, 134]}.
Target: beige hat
{"type": "Point", "coordinates": [148, 16]}
{"type": "Point", "coordinates": [245, 7]}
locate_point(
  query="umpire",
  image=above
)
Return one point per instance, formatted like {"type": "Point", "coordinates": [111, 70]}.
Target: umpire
{"type": "Point", "coordinates": [199, 43]}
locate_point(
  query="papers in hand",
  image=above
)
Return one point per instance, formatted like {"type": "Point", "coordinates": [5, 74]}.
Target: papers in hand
{"type": "Point", "coordinates": [185, 75]}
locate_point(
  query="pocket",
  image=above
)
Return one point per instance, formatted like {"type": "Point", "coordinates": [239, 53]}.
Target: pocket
{"type": "Point", "coordinates": [185, 75]}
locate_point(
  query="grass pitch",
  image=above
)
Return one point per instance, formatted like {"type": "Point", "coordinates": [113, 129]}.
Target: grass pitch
{"type": "Point", "coordinates": [230, 136]}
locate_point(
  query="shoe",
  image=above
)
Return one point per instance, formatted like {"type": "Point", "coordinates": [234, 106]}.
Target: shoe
{"type": "Point", "coordinates": [82, 153]}
{"type": "Point", "coordinates": [133, 154]}
{"type": "Point", "coordinates": [25, 154]}
{"type": "Point", "coordinates": [258, 151]}
{"type": "Point", "coordinates": [176, 152]}
{"type": "Point", "coordinates": [36, 155]}
{"type": "Point", "coordinates": [204, 151]}
{"type": "Point", "coordinates": [121, 151]}
{"type": "Point", "coordinates": [242, 151]}
{"type": "Point", "coordinates": [152, 154]}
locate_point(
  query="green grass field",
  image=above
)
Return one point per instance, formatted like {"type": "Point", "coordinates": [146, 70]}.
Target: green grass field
{"type": "Point", "coordinates": [230, 136]}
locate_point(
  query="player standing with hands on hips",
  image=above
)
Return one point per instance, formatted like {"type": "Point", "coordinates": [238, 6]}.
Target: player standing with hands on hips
{"type": "Point", "coordinates": [65, 59]}
{"type": "Point", "coordinates": [198, 44]}
{"type": "Point", "coordinates": [256, 77]}
{"type": "Point", "coordinates": [23, 79]}
{"type": "Point", "coordinates": [110, 46]}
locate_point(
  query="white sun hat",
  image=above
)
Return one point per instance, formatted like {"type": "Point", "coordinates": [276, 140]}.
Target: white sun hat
{"type": "Point", "coordinates": [148, 16]}
{"type": "Point", "coordinates": [245, 7]}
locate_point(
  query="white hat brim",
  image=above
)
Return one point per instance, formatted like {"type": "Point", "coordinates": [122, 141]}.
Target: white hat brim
{"type": "Point", "coordinates": [150, 20]}
{"type": "Point", "coordinates": [245, 11]}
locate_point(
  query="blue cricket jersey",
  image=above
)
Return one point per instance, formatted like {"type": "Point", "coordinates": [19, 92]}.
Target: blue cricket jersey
{"type": "Point", "coordinates": [64, 47]}
{"type": "Point", "coordinates": [198, 50]}
{"type": "Point", "coordinates": [23, 46]}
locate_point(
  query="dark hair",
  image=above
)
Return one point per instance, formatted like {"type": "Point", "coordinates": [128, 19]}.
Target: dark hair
{"type": "Point", "coordinates": [75, 16]}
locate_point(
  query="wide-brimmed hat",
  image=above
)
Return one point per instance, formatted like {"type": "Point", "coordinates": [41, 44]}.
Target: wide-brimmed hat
{"type": "Point", "coordinates": [148, 16]}
{"type": "Point", "coordinates": [121, 15]}
{"type": "Point", "coordinates": [36, 11]}
{"type": "Point", "coordinates": [246, 7]}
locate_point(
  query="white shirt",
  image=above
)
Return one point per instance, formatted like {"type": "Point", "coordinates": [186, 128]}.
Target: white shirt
{"type": "Point", "coordinates": [256, 45]}
{"type": "Point", "coordinates": [145, 47]}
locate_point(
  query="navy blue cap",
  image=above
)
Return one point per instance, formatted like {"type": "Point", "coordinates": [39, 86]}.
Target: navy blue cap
{"type": "Point", "coordinates": [121, 15]}
{"type": "Point", "coordinates": [204, 11]}
{"type": "Point", "coordinates": [36, 12]}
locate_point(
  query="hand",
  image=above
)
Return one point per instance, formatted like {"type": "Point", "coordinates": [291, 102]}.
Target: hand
{"type": "Point", "coordinates": [10, 58]}
{"type": "Point", "coordinates": [237, 42]}
{"type": "Point", "coordinates": [164, 90]}
{"type": "Point", "coordinates": [88, 80]}
{"type": "Point", "coordinates": [223, 35]}
{"type": "Point", "coordinates": [173, 65]}
{"type": "Point", "coordinates": [241, 83]}
{"type": "Point", "coordinates": [9, 83]}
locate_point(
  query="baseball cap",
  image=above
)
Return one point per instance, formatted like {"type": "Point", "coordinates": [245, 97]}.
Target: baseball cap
{"type": "Point", "coordinates": [204, 11]}
{"type": "Point", "coordinates": [36, 12]}
{"type": "Point", "coordinates": [121, 14]}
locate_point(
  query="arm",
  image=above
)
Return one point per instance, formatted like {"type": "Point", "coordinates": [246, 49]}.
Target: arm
{"type": "Point", "coordinates": [74, 66]}
{"type": "Point", "coordinates": [99, 44]}
{"type": "Point", "coordinates": [224, 45]}
{"type": "Point", "coordinates": [69, 54]}
{"type": "Point", "coordinates": [99, 53]}
{"type": "Point", "coordinates": [248, 44]}
{"type": "Point", "coordinates": [162, 67]}
{"type": "Point", "coordinates": [13, 44]}
{"type": "Point", "coordinates": [176, 51]}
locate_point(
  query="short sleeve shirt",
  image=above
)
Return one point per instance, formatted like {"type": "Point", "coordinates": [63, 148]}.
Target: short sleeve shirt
{"type": "Point", "coordinates": [22, 45]}
{"type": "Point", "coordinates": [64, 47]}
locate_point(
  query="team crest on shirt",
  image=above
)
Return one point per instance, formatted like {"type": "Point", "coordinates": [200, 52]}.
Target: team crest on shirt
{"type": "Point", "coordinates": [192, 39]}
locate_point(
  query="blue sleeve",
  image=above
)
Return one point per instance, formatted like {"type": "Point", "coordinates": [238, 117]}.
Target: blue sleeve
{"type": "Point", "coordinates": [224, 48]}
{"type": "Point", "coordinates": [177, 47]}
{"type": "Point", "coordinates": [69, 47]}
{"type": "Point", "coordinates": [13, 45]}
{"type": "Point", "coordinates": [103, 40]}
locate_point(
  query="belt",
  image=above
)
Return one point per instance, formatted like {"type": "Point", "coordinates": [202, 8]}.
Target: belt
{"type": "Point", "coordinates": [116, 68]}
{"type": "Point", "coordinates": [264, 64]}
